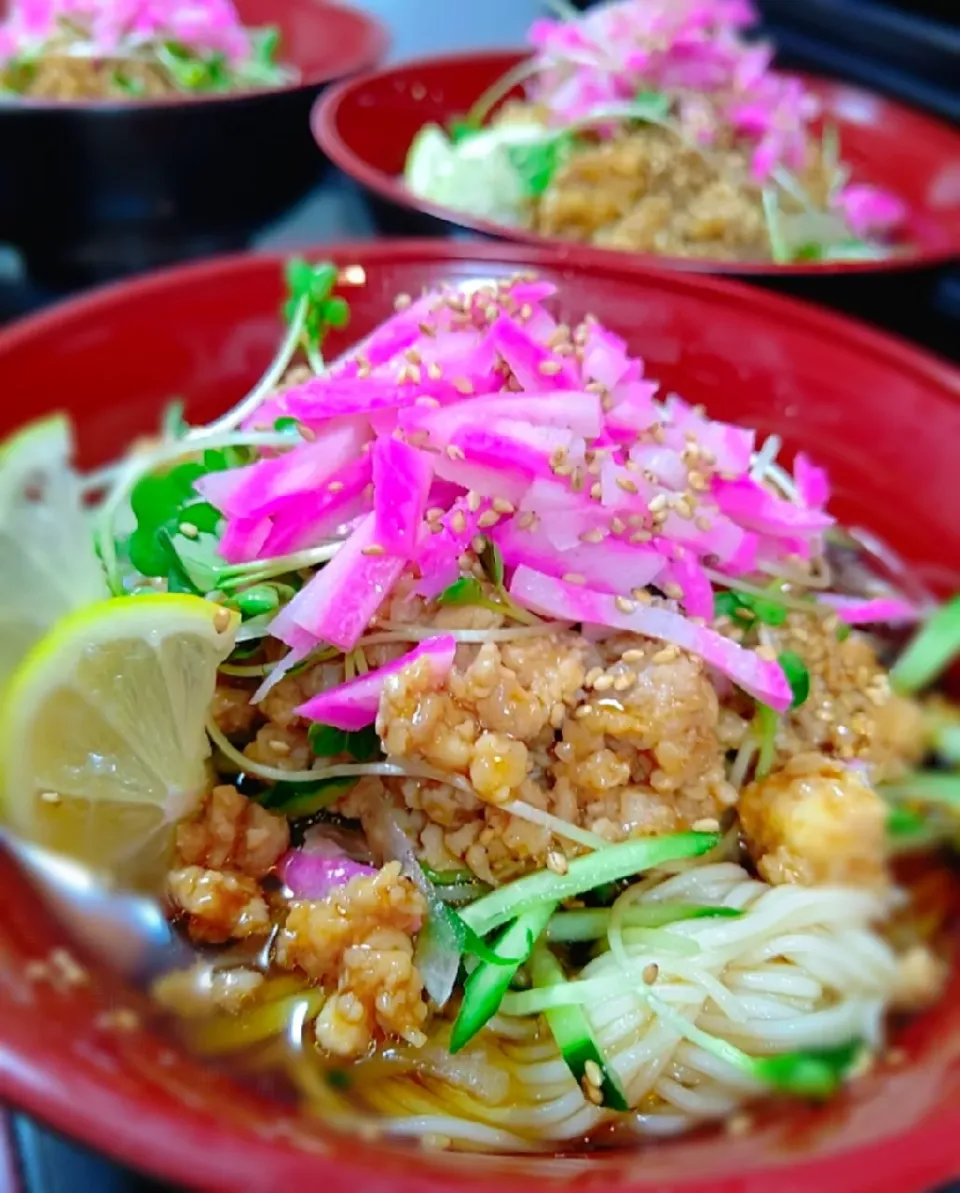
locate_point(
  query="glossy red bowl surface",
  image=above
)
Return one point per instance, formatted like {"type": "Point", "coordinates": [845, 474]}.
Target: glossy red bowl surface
{"type": "Point", "coordinates": [366, 124]}
{"type": "Point", "coordinates": [884, 418]}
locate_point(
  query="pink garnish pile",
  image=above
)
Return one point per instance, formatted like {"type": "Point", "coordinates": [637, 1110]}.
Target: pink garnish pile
{"type": "Point", "coordinates": [114, 27]}
{"type": "Point", "coordinates": [473, 417]}
{"type": "Point", "coordinates": [695, 53]}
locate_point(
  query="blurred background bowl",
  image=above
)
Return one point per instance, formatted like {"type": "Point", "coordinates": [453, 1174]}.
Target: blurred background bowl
{"type": "Point", "coordinates": [885, 142]}
{"type": "Point", "coordinates": [93, 190]}
{"type": "Point", "coordinates": [884, 418]}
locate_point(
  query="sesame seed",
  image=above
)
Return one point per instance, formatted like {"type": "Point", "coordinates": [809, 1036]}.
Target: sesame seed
{"type": "Point", "coordinates": [502, 506]}
{"type": "Point", "coordinates": [557, 862]}
{"type": "Point", "coordinates": [427, 329]}
{"type": "Point", "coordinates": [335, 486]}
{"type": "Point", "coordinates": [279, 747]}
{"type": "Point", "coordinates": [592, 1093]}
{"type": "Point", "coordinates": [697, 481]}
{"type": "Point", "coordinates": [702, 522]}
{"type": "Point", "coordinates": [708, 824]}
{"type": "Point", "coordinates": [603, 684]}
{"type": "Point", "coordinates": [474, 501]}
{"type": "Point", "coordinates": [50, 797]}
{"type": "Point", "coordinates": [624, 605]}
{"type": "Point", "coordinates": [739, 1124]}
{"type": "Point", "coordinates": [674, 591]}
{"type": "Point", "coordinates": [549, 368]}
{"type": "Point", "coordinates": [463, 385]}
{"type": "Point", "coordinates": [641, 596]}
{"type": "Point", "coordinates": [188, 530]}
{"type": "Point", "coordinates": [617, 525]}
{"type": "Point", "coordinates": [578, 480]}
{"type": "Point", "coordinates": [650, 973]}
{"type": "Point", "coordinates": [488, 518]}
{"type": "Point", "coordinates": [402, 302]}
{"type": "Point", "coordinates": [424, 400]}
{"type": "Point", "coordinates": [593, 1073]}
{"type": "Point", "coordinates": [434, 372]}
{"type": "Point", "coordinates": [596, 491]}
{"type": "Point", "coordinates": [525, 520]}
{"type": "Point", "coordinates": [627, 485]}
{"type": "Point", "coordinates": [574, 578]}
{"type": "Point", "coordinates": [658, 503]}
{"type": "Point", "coordinates": [221, 621]}
{"type": "Point", "coordinates": [593, 536]}
{"type": "Point", "coordinates": [565, 469]}
{"type": "Point", "coordinates": [478, 544]}
{"type": "Point", "coordinates": [458, 522]}
{"type": "Point", "coordinates": [373, 549]}
{"type": "Point", "coordinates": [767, 653]}
{"type": "Point", "coordinates": [632, 656]}
{"type": "Point", "coordinates": [454, 452]}
{"type": "Point", "coordinates": [307, 433]}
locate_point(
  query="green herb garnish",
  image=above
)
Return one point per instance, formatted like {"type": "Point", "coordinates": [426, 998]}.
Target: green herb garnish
{"type": "Point", "coordinates": [327, 741]}
{"type": "Point", "coordinates": [798, 676]}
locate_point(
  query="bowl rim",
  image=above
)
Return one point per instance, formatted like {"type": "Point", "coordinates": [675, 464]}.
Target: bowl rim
{"type": "Point", "coordinates": [375, 41]}
{"type": "Point", "coordinates": [324, 123]}
{"type": "Point", "coordinates": [212, 1153]}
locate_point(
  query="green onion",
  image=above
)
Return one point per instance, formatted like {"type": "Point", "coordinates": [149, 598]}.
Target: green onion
{"type": "Point", "coordinates": [583, 874]}
{"type": "Point", "coordinates": [537, 163]}
{"type": "Point", "coordinates": [765, 726]}
{"type": "Point", "coordinates": [932, 650]}
{"type": "Point", "coordinates": [798, 677]}
{"type": "Point", "coordinates": [571, 927]}
{"type": "Point", "coordinates": [326, 741]}
{"type": "Point", "coordinates": [931, 787]}
{"type": "Point", "coordinates": [299, 800]}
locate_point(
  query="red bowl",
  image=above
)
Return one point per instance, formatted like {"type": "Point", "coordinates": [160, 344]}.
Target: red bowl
{"type": "Point", "coordinates": [136, 184]}
{"type": "Point", "coordinates": [883, 417]}
{"type": "Point", "coordinates": [886, 144]}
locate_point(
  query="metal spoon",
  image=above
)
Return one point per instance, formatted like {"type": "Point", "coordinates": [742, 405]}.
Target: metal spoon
{"type": "Point", "coordinates": [128, 933]}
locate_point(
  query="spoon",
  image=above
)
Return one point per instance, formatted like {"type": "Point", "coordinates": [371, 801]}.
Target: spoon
{"type": "Point", "coordinates": [126, 932]}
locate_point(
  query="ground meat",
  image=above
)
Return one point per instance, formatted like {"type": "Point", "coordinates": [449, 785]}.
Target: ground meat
{"type": "Point", "coordinates": [850, 713]}
{"type": "Point", "coordinates": [644, 190]}
{"type": "Point", "coordinates": [204, 989]}
{"type": "Point", "coordinates": [233, 833]}
{"type": "Point", "coordinates": [358, 942]}
{"type": "Point", "coordinates": [232, 712]}
{"type": "Point", "coordinates": [815, 821]}
{"type": "Point", "coordinates": [621, 739]}
{"type": "Point", "coordinates": [217, 905]}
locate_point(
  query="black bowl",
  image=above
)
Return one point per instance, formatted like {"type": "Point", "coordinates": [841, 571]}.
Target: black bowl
{"type": "Point", "coordinates": [93, 190]}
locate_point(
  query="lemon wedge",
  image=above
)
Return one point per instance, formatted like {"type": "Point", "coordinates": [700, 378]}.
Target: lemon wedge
{"type": "Point", "coordinates": [48, 566]}
{"type": "Point", "coordinates": [104, 748]}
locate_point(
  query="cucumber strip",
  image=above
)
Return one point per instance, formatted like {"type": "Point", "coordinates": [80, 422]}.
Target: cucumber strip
{"type": "Point", "coordinates": [584, 873]}
{"type": "Point", "coordinates": [488, 983]}
{"type": "Point", "coordinates": [570, 927]}
{"type": "Point", "coordinates": [571, 1030]}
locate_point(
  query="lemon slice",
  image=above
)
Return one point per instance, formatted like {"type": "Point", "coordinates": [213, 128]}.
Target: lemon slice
{"type": "Point", "coordinates": [102, 729]}
{"type": "Point", "coordinates": [48, 566]}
